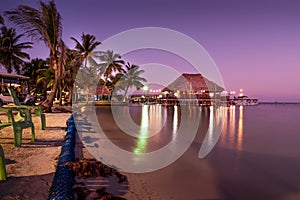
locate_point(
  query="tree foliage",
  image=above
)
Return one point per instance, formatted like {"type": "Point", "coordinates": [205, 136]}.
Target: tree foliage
{"type": "Point", "coordinates": [12, 55]}
{"type": "Point", "coordinates": [44, 24]}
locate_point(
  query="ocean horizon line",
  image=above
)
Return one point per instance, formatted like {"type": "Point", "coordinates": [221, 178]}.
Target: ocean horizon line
{"type": "Point", "coordinates": [279, 102]}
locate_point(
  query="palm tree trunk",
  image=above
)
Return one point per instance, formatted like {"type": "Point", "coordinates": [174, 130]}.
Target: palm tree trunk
{"type": "Point", "coordinates": [70, 94]}
{"type": "Point", "coordinates": [60, 94]}
{"type": "Point", "coordinates": [125, 93]}
{"type": "Point", "coordinates": [44, 92]}
{"type": "Point", "coordinates": [48, 103]}
{"type": "Point", "coordinates": [104, 85]}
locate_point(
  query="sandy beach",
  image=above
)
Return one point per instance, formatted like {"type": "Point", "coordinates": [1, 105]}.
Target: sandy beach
{"type": "Point", "coordinates": [30, 168]}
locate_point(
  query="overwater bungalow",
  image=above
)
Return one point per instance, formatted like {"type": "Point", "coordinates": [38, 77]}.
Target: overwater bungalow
{"type": "Point", "coordinates": [190, 87]}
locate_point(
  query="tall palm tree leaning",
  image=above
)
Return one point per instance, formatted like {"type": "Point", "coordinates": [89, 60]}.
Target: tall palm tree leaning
{"type": "Point", "coordinates": [11, 52]}
{"type": "Point", "coordinates": [131, 78]}
{"type": "Point", "coordinates": [110, 63]}
{"type": "Point", "coordinates": [44, 24]}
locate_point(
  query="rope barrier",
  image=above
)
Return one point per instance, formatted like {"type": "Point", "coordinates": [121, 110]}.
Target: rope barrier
{"type": "Point", "coordinates": [63, 180]}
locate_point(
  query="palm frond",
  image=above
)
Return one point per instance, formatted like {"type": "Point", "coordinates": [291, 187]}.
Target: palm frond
{"type": "Point", "coordinates": [1, 20]}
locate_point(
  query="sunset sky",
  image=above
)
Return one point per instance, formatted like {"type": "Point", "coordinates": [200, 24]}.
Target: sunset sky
{"type": "Point", "coordinates": [255, 44]}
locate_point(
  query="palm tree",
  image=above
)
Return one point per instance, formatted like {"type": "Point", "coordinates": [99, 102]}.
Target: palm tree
{"type": "Point", "coordinates": [73, 63]}
{"type": "Point", "coordinates": [31, 69]}
{"type": "Point", "coordinates": [86, 54]}
{"type": "Point", "coordinates": [86, 49]}
{"type": "Point", "coordinates": [86, 78]}
{"type": "Point", "coordinates": [112, 82]}
{"type": "Point", "coordinates": [110, 63]}
{"type": "Point", "coordinates": [44, 24]}
{"type": "Point", "coordinates": [11, 52]}
{"type": "Point", "coordinates": [45, 77]}
{"type": "Point", "coordinates": [131, 78]}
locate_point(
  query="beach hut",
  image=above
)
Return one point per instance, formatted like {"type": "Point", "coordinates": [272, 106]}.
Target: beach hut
{"type": "Point", "coordinates": [102, 93]}
{"type": "Point", "coordinates": [188, 86]}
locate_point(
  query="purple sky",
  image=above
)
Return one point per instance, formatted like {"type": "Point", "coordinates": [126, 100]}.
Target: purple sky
{"type": "Point", "coordinates": [255, 44]}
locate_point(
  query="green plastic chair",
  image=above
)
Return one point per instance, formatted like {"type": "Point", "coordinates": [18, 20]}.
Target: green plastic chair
{"type": "Point", "coordinates": [2, 165]}
{"type": "Point", "coordinates": [37, 109]}
{"type": "Point", "coordinates": [19, 122]}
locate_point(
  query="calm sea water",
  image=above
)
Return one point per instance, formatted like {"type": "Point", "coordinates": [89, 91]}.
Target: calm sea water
{"type": "Point", "coordinates": [256, 157]}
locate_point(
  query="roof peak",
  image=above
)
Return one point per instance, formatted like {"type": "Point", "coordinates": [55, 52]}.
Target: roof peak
{"type": "Point", "coordinates": [191, 74]}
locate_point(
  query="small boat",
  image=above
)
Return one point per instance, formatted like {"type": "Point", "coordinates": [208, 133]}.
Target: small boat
{"type": "Point", "coordinates": [243, 101]}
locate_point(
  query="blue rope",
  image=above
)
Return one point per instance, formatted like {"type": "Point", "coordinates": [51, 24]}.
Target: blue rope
{"type": "Point", "coordinates": [63, 180]}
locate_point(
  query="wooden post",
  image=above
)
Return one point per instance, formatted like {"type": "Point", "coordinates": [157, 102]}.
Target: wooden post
{"type": "Point", "coordinates": [2, 165]}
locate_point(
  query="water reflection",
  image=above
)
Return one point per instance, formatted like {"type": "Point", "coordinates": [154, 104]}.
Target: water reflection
{"type": "Point", "coordinates": [232, 134]}
{"type": "Point", "coordinates": [156, 126]}
{"type": "Point", "coordinates": [150, 138]}
{"type": "Point", "coordinates": [153, 120]}
{"type": "Point", "coordinates": [240, 129]}
{"type": "Point", "coordinates": [232, 121]}
{"type": "Point", "coordinates": [216, 122]}
{"type": "Point", "coordinates": [210, 130]}
{"type": "Point", "coordinates": [144, 131]}
{"type": "Point", "coordinates": [175, 121]}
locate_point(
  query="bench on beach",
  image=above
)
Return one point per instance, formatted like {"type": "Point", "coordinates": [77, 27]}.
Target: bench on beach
{"type": "Point", "coordinates": [18, 122]}
{"type": "Point", "coordinates": [37, 110]}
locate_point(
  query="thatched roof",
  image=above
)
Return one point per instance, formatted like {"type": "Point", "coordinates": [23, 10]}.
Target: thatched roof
{"type": "Point", "coordinates": [194, 82]}
{"type": "Point", "coordinates": [101, 91]}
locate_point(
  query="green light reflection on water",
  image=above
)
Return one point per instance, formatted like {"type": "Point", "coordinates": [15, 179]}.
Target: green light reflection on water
{"type": "Point", "coordinates": [143, 132]}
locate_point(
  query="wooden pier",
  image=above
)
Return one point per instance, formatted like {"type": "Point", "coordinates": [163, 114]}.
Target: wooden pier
{"type": "Point", "coordinates": [196, 102]}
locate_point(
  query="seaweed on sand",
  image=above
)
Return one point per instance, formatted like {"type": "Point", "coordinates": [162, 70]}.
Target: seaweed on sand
{"type": "Point", "coordinates": [92, 168]}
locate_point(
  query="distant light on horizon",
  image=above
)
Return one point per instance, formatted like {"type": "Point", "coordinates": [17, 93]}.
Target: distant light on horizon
{"type": "Point", "coordinates": [241, 92]}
